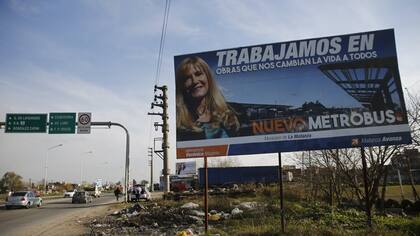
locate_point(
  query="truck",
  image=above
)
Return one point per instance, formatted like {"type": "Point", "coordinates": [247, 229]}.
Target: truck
{"type": "Point", "coordinates": [221, 176]}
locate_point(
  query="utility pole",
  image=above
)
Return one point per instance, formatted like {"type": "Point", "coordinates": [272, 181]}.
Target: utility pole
{"type": "Point", "coordinates": [150, 151]}
{"type": "Point", "coordinates": [46, 166]}
{"type": "Point", "coordinates": [163, 98]}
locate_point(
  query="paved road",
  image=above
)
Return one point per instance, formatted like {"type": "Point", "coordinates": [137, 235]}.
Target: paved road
{"type": "Point", "coordinates": [19, 221]}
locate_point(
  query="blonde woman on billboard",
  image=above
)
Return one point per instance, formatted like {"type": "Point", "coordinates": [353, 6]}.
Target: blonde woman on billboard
{"type": "Point", "coordinates": [202, 111]}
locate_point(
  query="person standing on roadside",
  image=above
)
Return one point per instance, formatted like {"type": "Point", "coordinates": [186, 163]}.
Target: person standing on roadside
{"type": "Point", "coordinates": [117, 192]}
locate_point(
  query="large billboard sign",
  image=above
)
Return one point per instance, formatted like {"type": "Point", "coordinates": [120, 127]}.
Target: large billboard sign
{"type": "Point", "coordinates": [322, 93]}
{"type": "Point", "coordinates": [186, 168]}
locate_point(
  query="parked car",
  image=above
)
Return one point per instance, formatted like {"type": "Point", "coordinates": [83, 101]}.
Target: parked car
{"type": "Point", "coordinates": [139, 192]}
{"type": "Point", "coordinates": [70, 193]}
{"type": "Point", "coordinates": [81, 197]}
{"type": "Point", "coordinates": [25, 199]}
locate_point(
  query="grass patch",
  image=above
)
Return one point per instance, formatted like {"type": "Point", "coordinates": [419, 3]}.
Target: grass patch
{"type": "Point", "coordinates": [303, 218]}
{"type": "Point", "coordinates": [394, 192]}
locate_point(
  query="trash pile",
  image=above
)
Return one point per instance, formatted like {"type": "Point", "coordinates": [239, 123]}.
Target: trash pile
{"type": "Point", "coordinates": [152, 219]}
{"type": "Point", "coordinates": [233, 191]}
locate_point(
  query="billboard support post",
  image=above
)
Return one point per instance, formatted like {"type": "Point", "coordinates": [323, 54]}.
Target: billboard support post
{"type": "Point", "coordinates": [206, 195]}
{"type": "Point", "coordinates": [365, 179]}
{"type": "Point", "coordinates": [281, 194]}
{"type": "Point", "coordinates": [311, 188]}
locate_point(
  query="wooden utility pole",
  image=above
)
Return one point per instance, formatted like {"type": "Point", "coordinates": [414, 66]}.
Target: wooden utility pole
{"type": "Point", "coordinates": [366, 182]}
{"type": "Point", "coordinates": [282, 221]}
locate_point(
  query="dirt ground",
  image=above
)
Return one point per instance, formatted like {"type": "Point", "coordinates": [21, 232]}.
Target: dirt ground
{"type": "Point", "coordinates": [73, 223]}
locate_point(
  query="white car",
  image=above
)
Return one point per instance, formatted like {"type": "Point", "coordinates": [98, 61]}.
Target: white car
{"type": "Point", "coordinates": [23, 199]}
{"type": "Point", "coordinates": [70, 193]}
{"type": "Point", "coordinates": [143, 194]}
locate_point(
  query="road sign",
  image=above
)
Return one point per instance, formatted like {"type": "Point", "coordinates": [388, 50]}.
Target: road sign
{"type": "Point", "coordinates": [83, 122]}
{"type": "Point", "coordinates": [62, 123]}
{"type": "Point", "coordinates": [26, 123]}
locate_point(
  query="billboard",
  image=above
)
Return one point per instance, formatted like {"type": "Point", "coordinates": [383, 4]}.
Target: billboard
{"type": "Point", "coordinates": [322, 93]}
{"type": "Point", "coordinates": [186, 168]}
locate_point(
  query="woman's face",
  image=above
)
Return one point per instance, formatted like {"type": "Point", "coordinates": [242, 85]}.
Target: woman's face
{"type": "Point", "coordinates": [196, 83]}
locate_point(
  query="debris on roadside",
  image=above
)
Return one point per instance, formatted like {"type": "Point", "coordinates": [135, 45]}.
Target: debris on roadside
{"type": "Point", "coordinates": [190, 205]}
{"type": "Point", "coordinates": [214, 217]}
{"type": "Point", "coordinates": [236, 211]}
{"type": "Point", "coordinates": [152, 219]}
{"type": "Point", "coordinates": [187, 232]}
{"type": "Point", "coordinates": [234, 191]}
{"type": "Point", "coordinates": [248, 205]}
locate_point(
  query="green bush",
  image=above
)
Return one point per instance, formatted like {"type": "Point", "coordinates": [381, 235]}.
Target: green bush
{"type": "Point", "coordinates": [269, 192]}
{"type": "Point", "coordinates": [408, 225]}
{"type": "Point", "coordinates": [416, 206]}
{"type": "Point", "coordinates": [391, 203]}
{"type": "Point", "coordinates": [304, 218]}
{"type": "Point", "coordinates": [220, 203]}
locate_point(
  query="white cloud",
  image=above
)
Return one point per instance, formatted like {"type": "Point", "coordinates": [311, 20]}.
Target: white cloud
{"type": "Point", "coordinates": [23, 7]}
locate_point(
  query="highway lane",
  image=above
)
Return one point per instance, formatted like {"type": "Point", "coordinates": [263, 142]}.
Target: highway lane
{"type": "Point", "coordinates": [20, 221]}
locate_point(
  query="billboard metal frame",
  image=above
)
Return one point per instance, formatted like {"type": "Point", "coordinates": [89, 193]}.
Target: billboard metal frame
{"type": "Point", "coordinates": [322, 93]}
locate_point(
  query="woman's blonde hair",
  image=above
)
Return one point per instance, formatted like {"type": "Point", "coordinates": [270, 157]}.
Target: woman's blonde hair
{"type": "Point", "coordinates": [221, 112]}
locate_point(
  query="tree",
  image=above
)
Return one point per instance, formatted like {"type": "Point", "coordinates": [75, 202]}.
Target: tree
{"type": "Point", "coordinates": [11, 182]}
{"type": "Point", "coordinates": [413, 115]}
{"type": "Point", "coordinates": [403, 162]}
{"type": "Point", "coordinates": [337, 170]}
{"type": "Point", "coordinates": [322, 174]}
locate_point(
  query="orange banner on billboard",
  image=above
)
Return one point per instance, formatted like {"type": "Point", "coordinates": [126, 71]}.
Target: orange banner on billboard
{"type": "Point", "coordinates": [198, 152]}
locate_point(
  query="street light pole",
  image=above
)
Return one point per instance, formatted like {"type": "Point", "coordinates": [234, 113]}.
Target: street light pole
{"type": "Point", "coordinates": [46, 164]}
{"type": "Point", "coordinates": [81, 167]}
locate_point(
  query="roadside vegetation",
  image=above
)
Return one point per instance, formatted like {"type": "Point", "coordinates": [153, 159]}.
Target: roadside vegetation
{"type": "Point", "coordinates": [257, 210]}
{"type": "Point", "coordinates": [309, 217]}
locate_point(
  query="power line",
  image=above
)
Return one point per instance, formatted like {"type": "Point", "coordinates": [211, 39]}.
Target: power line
{"type": "Point", "coordinates": [160, 54]}
{"type": "Point", "coordinates": [162, 40]}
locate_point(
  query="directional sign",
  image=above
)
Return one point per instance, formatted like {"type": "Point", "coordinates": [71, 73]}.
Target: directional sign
{"type": "Point", "coordinates": [83, 122]}
{"type": "Point", "coordinates": [26, 123]}
{"type": "Point", "coordinates": [62, 123]}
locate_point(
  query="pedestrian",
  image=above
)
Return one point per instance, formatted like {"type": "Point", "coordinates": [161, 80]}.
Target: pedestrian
{"type": "Point", "coordinates": [117, 193]}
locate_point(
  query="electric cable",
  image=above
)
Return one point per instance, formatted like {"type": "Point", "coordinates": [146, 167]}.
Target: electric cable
{"type": "Point", "coordinates": [160, 56]}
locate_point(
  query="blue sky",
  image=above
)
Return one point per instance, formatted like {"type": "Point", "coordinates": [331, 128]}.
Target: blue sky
{"type": "Point", "coordinates": [100, 57]}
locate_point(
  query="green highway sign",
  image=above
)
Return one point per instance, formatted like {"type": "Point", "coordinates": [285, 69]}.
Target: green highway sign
{"type": "Point", "coordinates": [26, 123]}
{"type": "Point", "coordinates": [62, 123]}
